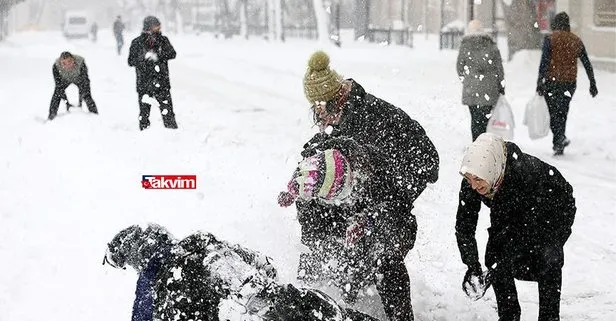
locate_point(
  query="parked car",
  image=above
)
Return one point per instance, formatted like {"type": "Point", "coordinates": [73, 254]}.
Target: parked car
{"type": "Point", "coordinates": [76, 24]}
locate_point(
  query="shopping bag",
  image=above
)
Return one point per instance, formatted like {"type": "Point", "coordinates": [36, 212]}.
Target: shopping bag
{"type": "Point", "coordinates": [537, 117]}
{"type": "Point", "coordinates": [501, 120]}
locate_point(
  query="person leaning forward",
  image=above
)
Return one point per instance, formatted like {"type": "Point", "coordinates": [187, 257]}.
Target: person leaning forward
{"type": "Point", "coordinates": [532, 209]}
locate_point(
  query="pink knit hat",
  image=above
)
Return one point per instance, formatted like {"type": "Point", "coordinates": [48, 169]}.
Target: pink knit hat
{"type": "Point", "coordinates": [326, 175]}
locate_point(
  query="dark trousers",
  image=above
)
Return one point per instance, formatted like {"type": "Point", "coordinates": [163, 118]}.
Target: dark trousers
{"type": "Point", "coordinates": [479, 119]}
{"type": "Point", "coordinates": [558, 96]}
{"type": "Point", "coordinates": [395, 289]}
{"type": "Point", "coordinates": [60, 93]}
{"type": "Point", "coordinates": [163, 96]}
{"type": "Point", "coordinates": [119, 42]}
{"type": "Point", "coordinates": [549, 295]}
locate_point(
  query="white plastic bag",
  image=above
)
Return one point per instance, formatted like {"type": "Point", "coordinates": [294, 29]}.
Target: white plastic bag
{"type": "Point", "coordinates": [501, 121]}
{"type": "Point", "coordinates": [537, 117]}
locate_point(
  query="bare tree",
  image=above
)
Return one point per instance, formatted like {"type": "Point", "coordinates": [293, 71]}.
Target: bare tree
{"type": "Point", "coordinates": [522, 29]}
{"type": "Point", "coordinates": [322, 21]}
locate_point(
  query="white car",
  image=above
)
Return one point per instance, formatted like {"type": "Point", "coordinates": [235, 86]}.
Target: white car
{"type": "Point", "coordinates": [76, 24]}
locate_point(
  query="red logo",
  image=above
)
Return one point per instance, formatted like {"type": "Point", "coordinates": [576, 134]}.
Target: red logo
{"type": "Point", "coordinates": [169, 181]}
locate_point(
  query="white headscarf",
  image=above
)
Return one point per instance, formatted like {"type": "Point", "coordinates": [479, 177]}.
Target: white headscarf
{"type": "Point", "coordinates": [485, 158]}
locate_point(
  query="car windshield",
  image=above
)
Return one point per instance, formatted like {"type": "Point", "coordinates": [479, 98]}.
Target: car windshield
{"type": "Point", "coordinates": [77, 20]}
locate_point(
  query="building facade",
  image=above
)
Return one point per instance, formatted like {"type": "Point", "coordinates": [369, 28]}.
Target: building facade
{"type": "Point", "coordinates": [594, 21]}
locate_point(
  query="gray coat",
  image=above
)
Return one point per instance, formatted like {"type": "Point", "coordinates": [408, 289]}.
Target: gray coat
{"type": "Point", "coordinates": [480, 68]}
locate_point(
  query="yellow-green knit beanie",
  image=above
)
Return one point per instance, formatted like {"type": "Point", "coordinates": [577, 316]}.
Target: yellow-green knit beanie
{"type": "Point", "coordinates": [320, 82]}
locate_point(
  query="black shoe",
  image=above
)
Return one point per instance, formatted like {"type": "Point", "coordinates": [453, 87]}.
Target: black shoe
{"type": "Point", "coordinates": [559, 151]}
{"type": "Point", "coordinates": [51, 117]}
{"type": "Point", "coordinates": [566, 142]}
{"type": "Point", "coordinates": [170, 124]}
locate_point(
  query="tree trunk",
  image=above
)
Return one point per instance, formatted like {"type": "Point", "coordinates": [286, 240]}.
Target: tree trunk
{"type": "Point", "coordinates": [522, 29]}
{"type": "Point", "coordinates": [243, 19]}
{"type": "Point", "coordinates": [322, 25]}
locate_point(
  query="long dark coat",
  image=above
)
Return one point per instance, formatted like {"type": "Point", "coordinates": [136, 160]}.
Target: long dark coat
{"type": "Point", "coordinates": [480, 67]}
{"type": "Point", "coordinates": [151, 75]}
{"type": "Point", "coordinates": [404, 160]}
{"type": "Point", "coordinates": [531, 216]}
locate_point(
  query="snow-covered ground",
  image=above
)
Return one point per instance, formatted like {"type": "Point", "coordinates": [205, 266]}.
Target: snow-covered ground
{"type": "Point", "coordinates": [66, 187]}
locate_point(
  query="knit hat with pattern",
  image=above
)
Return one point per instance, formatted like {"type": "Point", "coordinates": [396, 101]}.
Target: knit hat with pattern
{"type": "Point", "coordinates": [321, 83]}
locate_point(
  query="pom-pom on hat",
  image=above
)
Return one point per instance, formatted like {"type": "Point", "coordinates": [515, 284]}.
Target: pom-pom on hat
{"type": "Point", "coordinates": [321, 83]}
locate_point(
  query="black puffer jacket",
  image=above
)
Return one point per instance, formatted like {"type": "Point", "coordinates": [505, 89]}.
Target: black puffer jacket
{"type": "Point", "coordinates": [530, 214]}
{"type": "Point", "coordinates": [150, 73]}
{"type": "Point", "coordinates": [403, 161]}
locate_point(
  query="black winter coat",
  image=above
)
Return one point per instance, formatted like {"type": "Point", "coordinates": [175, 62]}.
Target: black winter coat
{"type": "Point", "coordinates": [531, 215]}
{"type": "Point", "coordinates": [404, 161]}
{"type": "Point", "coordinates": [147, 75]}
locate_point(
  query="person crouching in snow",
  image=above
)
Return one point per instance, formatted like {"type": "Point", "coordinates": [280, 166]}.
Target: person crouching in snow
{"type": "Point", "coordinates": [352, 225]}
{"type": "Point", "coordinates": [70, 69]}
{"type": "Point", "coordinates": [204, 278]}
{"type": "Point", "coordinates": [149, 53]}
{"type": "Point", "coordinates": [532, 210]}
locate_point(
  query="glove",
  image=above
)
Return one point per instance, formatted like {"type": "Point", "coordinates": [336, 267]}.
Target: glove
{"type": "Point", "coordinates": [593, 89]}
{"type": "Point", "coordinates": [311, 147]}
{"type": "Point", "coordinates": [501, 90]}
{"type": "Point", "coordinates": [346, 145]}
{"type": "Point", "coordinates": [540, 89]}
{"type": "Point", "coordinates": [285, 199]}
{"type": "Point", "coordinates": [150, 55]}
{"type": "Point", "coordinates": [359, 226]}
{"type": "Point", "coordinates": [475, 283]}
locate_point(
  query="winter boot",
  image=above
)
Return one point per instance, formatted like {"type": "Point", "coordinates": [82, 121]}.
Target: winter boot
{"type": "Point", "coordinates": [169, 122]}
{"type": "Point", "coordinates": [144, 125]}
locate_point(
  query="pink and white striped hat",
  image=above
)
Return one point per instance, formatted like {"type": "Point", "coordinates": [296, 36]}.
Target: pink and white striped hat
{"type": "Point", "coordinates": [326, 175]}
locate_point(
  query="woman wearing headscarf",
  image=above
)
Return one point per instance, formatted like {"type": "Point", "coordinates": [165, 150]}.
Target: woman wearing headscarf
{"type": "Point", "coordinates": [558, 76]}
{"type": "Point", "coordinates": [480, 68]}
{"type": "Point", "coordinates": [532, 209]}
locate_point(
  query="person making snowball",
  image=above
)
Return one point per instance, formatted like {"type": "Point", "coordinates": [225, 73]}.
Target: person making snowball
{"type": "Point", "coordinates": [532, 209]}
{"type": "Point", "coordinates": [204, 278]}
{"type": "Point", "coordinates": [149, 54]}
{"type": "Point", "coordinates": [70, 69]}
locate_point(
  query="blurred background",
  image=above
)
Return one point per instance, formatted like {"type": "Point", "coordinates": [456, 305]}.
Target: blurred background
{"type": "Point", "coordinates": [395, 22]}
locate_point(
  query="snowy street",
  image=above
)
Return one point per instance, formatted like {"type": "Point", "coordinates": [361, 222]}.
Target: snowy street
{"type": "Point", "coordinates": [68, 186]}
